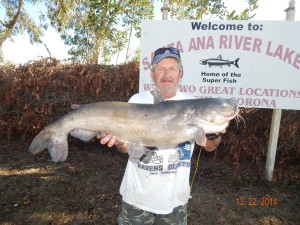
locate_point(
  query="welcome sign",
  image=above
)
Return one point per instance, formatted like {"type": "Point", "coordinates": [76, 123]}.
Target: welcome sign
{"type": "Point", "coordinates": [257, 63]}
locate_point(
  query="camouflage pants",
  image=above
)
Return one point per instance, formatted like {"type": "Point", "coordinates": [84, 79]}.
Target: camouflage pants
{"type": "Point", "coordinates": [131, 215]}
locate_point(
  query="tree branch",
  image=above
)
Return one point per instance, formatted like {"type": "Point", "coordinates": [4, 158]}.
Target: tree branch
{"type": "Point", "coordinates": [16, 17]}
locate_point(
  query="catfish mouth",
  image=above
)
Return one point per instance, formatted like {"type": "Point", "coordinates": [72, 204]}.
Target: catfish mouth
{"type": "Point", "coordinates": [220, 122]}
{"type": "Point", "coordinates": [219, 119]}
{"type": "Point", "coordinates": [223, 121]}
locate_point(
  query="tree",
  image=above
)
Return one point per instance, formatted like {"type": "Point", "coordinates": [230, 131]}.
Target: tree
{"type": "Point", "coordinates": [246, 14]}
{"type": "Point", "coordinates": [200, 9]}
{"type": "Point", "coordinates": [17, 21]}
{"type": "Point", "coordinates": [96, 28]}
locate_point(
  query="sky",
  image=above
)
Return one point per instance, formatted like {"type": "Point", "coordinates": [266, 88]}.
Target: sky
{"type": "Point", "coordinates": [21, 51]}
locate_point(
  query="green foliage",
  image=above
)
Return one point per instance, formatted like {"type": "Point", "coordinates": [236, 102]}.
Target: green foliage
{"type": "Point", "coordinates": [202, 9]}
{"type": "Point", "coordinates": [246, 14]}
{"type": "Point", "coordinates": [195, 9]}
{"type": "Point", "coordinates": [96, 28]}
{"type": "Point", "coordinates": [16, 20]}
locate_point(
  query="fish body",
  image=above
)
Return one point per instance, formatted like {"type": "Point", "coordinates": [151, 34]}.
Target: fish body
{"type": "Point", "coordinates": [219, 62]}
{"type": "Point", "coordinates": [167, 123]}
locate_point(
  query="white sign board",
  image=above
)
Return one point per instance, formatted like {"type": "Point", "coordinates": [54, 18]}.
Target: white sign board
{"type": "Point", "coordinates": [257, 63]}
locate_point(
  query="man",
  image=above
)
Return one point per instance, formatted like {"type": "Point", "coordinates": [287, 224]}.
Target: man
{"type": "Point", "coordinates": [155, 187]}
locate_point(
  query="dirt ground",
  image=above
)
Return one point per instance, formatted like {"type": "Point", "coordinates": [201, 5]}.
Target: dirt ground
{"type": "Point", "coordinates": [85, 190]}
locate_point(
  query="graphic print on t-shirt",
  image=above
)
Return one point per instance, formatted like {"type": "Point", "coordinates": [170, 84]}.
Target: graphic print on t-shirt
{"type": "Point", "coordinates": [183, 157]}
{"type": "Point", "coordinates": [152, 157]}
{"type": "Point", "coordinates": [185, 151]}
{"type": "Point", "coordinates": [166, 161]}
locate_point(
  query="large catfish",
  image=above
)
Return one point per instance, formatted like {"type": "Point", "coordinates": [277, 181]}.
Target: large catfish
{"type": "Point", "coordinates": [166, 123]}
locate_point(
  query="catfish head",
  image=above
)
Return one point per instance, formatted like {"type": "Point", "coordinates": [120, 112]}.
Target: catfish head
{"type": "Point", "coordinates": [214, 114]}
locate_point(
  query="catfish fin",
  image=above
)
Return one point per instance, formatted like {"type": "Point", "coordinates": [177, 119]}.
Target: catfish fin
{"type": "Point", "coordinates": [57, 145]}
{"type": "Point", "coordinates": [40, 142]}
{"type": "Point", "coordinates": [158, 97]}
{"type": "Point", "coordinates": [82, 134]}
{"type": "Point", "coordinates": [200, 137]}
{"type": "Point", "coordinates": [102, 134]}
{"type": "Point", "coordinates": [58, 149]}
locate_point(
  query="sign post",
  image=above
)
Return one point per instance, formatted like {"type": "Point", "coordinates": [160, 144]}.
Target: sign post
{"type": "Point", "coordinates": [164, 10]}
{"type": "Point", "coordinates": [276, 117]}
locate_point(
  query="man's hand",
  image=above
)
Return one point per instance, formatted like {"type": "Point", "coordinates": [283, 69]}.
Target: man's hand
{"type": "Point", "coordinates": [213, 141]}
{"type": "Point", "coordinates": [135, 151]}
{"type": "Point", "coordinates": [111, 140]}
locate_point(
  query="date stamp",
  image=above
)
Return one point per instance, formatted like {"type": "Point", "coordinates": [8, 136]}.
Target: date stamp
{"type": "Point", "coordinates": [256, 201]}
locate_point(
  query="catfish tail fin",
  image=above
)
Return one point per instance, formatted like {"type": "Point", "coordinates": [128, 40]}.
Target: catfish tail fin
{"type": "Point", "coordinates": [57, 146]}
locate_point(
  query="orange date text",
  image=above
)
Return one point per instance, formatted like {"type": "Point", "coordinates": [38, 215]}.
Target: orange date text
{"type": "Point", "coordinates": [255, 201]}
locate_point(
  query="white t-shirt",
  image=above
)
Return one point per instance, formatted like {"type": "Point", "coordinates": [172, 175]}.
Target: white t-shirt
{"type": "Point", "coordinates": [160, 181]}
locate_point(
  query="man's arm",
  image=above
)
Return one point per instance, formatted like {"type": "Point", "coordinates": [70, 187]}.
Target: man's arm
{"type": "Point", "coordinates": [111, 140]}
{"type": "Point", "coordinates": [135, 151]}
{"type": "Point", "coordinates": [213, 141]}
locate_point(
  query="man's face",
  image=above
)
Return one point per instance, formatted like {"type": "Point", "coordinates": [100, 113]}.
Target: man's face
{"type": "Point", "coordinates": [166, 76]}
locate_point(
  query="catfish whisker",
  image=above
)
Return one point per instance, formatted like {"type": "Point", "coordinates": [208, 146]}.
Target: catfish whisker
{"type": "Point", "coordinates": [238, 119]}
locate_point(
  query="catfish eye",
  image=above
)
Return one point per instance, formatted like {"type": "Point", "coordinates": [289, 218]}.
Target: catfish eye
{"type": "Point", "coordinates": [213, 119]}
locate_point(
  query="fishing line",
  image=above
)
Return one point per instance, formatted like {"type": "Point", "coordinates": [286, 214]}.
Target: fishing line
{"type": "Point", "coordinates": [197, 165]}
